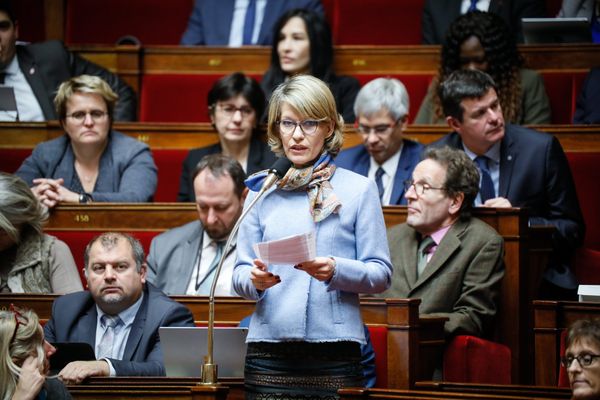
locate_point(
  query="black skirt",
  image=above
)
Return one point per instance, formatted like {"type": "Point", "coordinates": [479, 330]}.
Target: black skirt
{"type": "Point", "coordinates": [301, 370]}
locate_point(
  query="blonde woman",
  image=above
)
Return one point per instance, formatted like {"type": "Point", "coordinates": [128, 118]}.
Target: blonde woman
{"type": "Point", "coordinates": [24, 359]}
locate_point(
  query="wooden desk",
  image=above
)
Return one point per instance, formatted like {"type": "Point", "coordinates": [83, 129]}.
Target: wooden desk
{"type": "Point", "coordinates": [367, 394]}
{"type": "Point", "coordinates": [550, 319]}
{"type": "Point", "coordinates": [546, 392]}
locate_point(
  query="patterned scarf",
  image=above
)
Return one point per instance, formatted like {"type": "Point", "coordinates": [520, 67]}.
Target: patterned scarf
{"type": "Point", "coordinates": [314, 179]}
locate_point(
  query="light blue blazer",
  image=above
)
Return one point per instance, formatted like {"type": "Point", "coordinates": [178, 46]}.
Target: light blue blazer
{"type": "Point", "coordinates": [301, 307]}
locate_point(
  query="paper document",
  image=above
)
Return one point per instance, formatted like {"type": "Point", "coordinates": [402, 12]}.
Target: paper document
{"type": "Point", "coordinates": [290, 250]}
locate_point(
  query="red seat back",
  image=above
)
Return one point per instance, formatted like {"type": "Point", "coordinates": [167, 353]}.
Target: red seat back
{"type": "Point", "coordinates": [379, 342]}
{"type": "Point", "coordinates": [11, 159]}
{"type": "Point", "coordinates": [474, 360]}
{"type": "Point", "coordinates": [563, 376]}
{"type": "Point", "coordinates": [153, 22]}
{"type": "Point", "coordinates": [169, 163]}
{"type": "Point", "coordinates": [562, 89]}
{"type": "Point", "coordinates": [376, 22]}
{"type": "Point", "coordinates": [30, 17]}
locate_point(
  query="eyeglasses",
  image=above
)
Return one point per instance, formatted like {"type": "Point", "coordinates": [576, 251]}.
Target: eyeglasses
{"type": "Point", "coordinates": [17, 315]}
{"type": "Point", "coordinates": [229, 110]}
{"type": "Point", "coordinates": [308, 126]}
{"type": "Point", "coordinates": [585, 360]}
{"type": "Point", "coordinates": [420, 187]}
{"type": "Point", "coordinates": [96, 115]}
{"type": "Point", "coordinates": [379, 130]}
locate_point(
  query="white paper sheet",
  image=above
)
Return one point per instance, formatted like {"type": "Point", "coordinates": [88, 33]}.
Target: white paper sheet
{"type": "Point", "coordinates": [290, 250]}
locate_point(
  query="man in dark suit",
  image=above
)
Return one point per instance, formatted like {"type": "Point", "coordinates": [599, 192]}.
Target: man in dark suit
{"type": "Point", "coordinates": [35, 71]}
{"type": "Point", "coordinates": [519, 168]}
{"type": "Point", "coordinates": [385, 156]}
{"type": "Point", "coordinates": [439, 14]}
{"type": "Point", "coordinates": [222, 22]}
{"type": "Point", "coordinates": [119, 316]}
{"type": "Point", "coordinates": [183, 260]}
{"type": "Point", "coordinates": [452, 262]}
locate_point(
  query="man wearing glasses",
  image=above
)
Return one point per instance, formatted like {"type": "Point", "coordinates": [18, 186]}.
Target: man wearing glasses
{"type": "Point", "coordinates": [381, 108]}
{"type": "Point", "coordinates": [519, 167]}
{"type": "Point", "coordinates": [119, 315]}
{"type": "Point", "coordinates": [451, 261]}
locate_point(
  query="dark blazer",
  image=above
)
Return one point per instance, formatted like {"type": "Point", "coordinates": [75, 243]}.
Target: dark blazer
{"type": "Point", "coordinates": [210, 21]}
{"type": "Point", "coordinates": [535, 173]}
{"type": "Point", "coordinates": [260, 157]}
{"type": "Point", "coordinates": [588, 102]}
{"type": "Point", "coordinates": [438, 15]}
{"type": "Point", "coordinates": [462, 279]}
{"type": "Point", "coordinates": [46, 65]}
{"type": "Point", "coordinates": [127, 170]}
{"type": "Point", "coordinates": [74, 319]}
{"type": "Point", "coordinates": [357, 159]}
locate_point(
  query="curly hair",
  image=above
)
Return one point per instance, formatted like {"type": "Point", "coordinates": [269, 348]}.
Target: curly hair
{"type": "Point", "coordinates": [503, 58]}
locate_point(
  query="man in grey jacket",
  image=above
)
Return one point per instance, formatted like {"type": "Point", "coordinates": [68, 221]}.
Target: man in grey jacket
{"type": "Point", "coordinates": [183, 260]}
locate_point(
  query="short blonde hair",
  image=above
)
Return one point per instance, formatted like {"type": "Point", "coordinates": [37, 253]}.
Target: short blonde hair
{"type": "Point", "coordinates": [84, 84]}
{"type": "Point", "coordinates": [311, 98]}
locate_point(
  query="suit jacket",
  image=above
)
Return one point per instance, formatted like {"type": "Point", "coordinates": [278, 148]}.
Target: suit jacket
{"type": "Point", "coordinates": [210, 22]}
{"type": "Point", "coordinates": [588, 101]}
{"type": "Point", "coordinates": [172, 259]}
{"type": "Point", "coordinates": [127, 171]}
{"type": "Point", "coordinates": [438, 15]}
{"type": "Point", "coordinates": [357, 159]}
{"type": "Point", "coordinates": [260, 157]}
{"type": "Point", "coordinates": [577, 8]}
{"type": "Point", "coordinates": [535, 173]}
{"type": "Point", "coordinates": [74, 318]}
{"type": "Point", "coordinates": [46, 65]}
{"type": "Point", "coordinates": [462, 279]}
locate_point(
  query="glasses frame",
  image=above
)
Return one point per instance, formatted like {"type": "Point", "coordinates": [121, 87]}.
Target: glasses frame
{"type": "Point", "coordinates": [424, 187]}
{"type": "Point", "coordinates": [236, 109]}
{"type": "Point", "coordinates": [17, 315]}
{"type": "Point", "coordinates": [372, 129]}
{"type": "Point", "coordinates": [86, 113]}
{"type": "Point", "coordinates": [299, 124]}
{"type": "Point", "coordinates": [568, 361]}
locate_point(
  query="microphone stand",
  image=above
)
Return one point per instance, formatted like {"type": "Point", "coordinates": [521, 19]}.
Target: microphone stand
{"type": "Point", "coordinates": [209, 369]}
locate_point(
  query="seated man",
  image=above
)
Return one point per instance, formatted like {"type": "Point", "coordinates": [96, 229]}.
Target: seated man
{"type": "Point", "coordinates": [450, 260]}
{"type": "Point", "coordinates": [519, 167]}
{"type": "Point", "coordinates": [183, 260]}
{"type": "Point", "coordinates": [119, 316]}
{"type": "Point", "coordinates": [381, 109]}
{"type": "Point", "coordinates": [36, 70]}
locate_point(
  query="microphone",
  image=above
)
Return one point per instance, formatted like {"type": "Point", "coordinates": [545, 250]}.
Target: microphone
{"type": "Point", "coordinates": [276, 172]}
{"type": "Point", "coordinates": [209, 368]}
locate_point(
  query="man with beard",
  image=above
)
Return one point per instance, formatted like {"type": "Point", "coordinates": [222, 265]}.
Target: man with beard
{"type": "Point", "coordinates": [119, 316]}
{"type": "Point", "coordinates": [183, 260]}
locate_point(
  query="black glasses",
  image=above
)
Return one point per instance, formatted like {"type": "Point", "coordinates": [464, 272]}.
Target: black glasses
{"type": "Point", "coordinates": [585, 360]}
{"type": "Point", "coordinates": [17, 315]}
{"type": "Point", "coordinates": [229, 110]}
{"type": "Point", "coordinates": [420, 187]}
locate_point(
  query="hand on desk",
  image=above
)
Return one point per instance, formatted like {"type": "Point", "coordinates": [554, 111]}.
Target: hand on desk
{"type": "Point", "coordinates": [50, 192]}
{"type": "Point", "coordinates": [77, 371]}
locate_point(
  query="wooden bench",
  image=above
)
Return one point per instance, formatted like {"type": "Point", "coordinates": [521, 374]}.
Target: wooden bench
{"type": "Point", "coordinates": [546, 392]}
{"type": "Point", "coordinates": [368, 394]}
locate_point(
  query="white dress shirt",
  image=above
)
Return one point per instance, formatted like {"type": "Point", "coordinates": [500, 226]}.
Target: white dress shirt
{"type": "Point", "coordinates": [27, 104]}
{"type": "Point", "coordinates": [209, 250]}
{"type": "Point", "coordinates": [390, 166]}
{"type": "Point", "coordinates": [236, 35]}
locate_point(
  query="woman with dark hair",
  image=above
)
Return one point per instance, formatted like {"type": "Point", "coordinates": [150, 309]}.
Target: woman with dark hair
{"type": "Point", "coordinates": [235, 105]}
{"type": "Point", "coordinates": [582, 353]}
{"type": "Point", "coordinates": [302, 44]}
{"type": "Point", "coordinates": [481, 40]}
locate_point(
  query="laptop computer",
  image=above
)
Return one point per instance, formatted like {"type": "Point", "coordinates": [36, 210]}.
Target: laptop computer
{"type": "Point", "coordinates": [184, 350]}
{"type": "Point", "coordinates": [68, 352]}
{"type": "Point", "coordinates": [556, 30]}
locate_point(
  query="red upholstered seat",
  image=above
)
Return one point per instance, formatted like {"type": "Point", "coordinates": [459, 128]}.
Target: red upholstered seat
{"type": "Point", "coordinates": [475, 360]}
{"type": "Point", "coordinates": [169, 163]}
{"type": "Point", "coordinates": [563, 377]}
{"type": "Point", "coordinates": [30, 15]}
{"type": "Point", "coordinates": [562, 88]}
{"type": "Point", "coordinates": [416, 85]}
{"type": "Point", "coordinates": [77, 240]}
{"type": "Point", "coordinates": [377, 22]}
{"type": "Point", "coordinates": [379, 342]}
{"type": "Point", "coordinates": [153, 22]}
{"type": "Point", "coordinates": [11, 159]}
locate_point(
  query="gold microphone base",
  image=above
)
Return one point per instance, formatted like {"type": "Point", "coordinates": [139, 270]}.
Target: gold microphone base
{"type": "Point", "coordinates": [209, 374]}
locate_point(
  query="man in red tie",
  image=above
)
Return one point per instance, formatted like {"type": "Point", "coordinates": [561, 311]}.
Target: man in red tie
{"type": "Point", "coordinates": [450, 260]}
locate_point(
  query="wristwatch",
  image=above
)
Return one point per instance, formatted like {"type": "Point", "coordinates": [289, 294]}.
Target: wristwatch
{"type": "Point", "coordinates": [84, 198]}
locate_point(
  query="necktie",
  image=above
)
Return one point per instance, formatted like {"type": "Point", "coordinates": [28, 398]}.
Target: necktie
{"type": "Point", "coordinates": [203, 288]}
{"type": "Point", "coordinates": [249, 22]}
{"type": "Point", "coordinates": [105, 348]}
{"type": "Point", "coordinates": [473, 6]}
{"type": "Point", "coordinates": [424, 248]}
{"type": "Point", "coordinates": [487, 190]}
{"type": "Point", "coordinates": [378, 174]}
